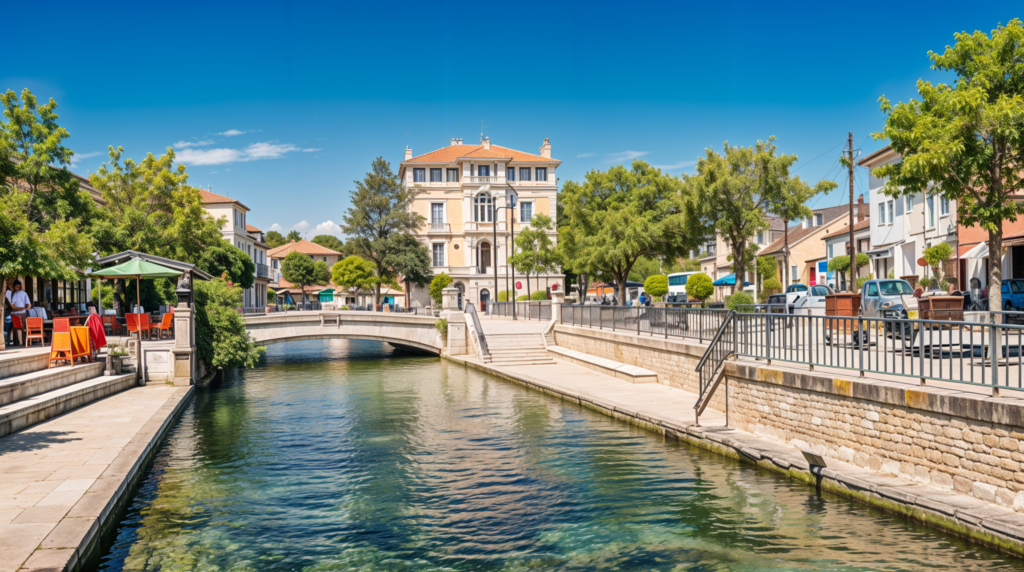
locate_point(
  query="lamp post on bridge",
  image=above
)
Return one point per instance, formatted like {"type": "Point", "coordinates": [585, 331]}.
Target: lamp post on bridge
{"type": "Point", "coordinates": [512, 206]}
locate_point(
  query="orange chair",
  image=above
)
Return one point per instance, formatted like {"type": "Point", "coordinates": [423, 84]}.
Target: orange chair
{"type": "Point", "coordinates": [61, 325]}
{"type": "Point", "coordinates": [34, 331]}
{"type": "Point", "coordinates": [166, 324]}
{"type": "Point", "coordinates": [110, 323]}
{"type": "Point", "coordinates": [81, 343]}
{"type": "Point", "coordinates": [60, 349]}
{"type": "Point", "coordinates": [144, 325]}
{"type": "Point", "coordinates": [132, 321]}
{"type": "Point", "coordinates": [18, 325]}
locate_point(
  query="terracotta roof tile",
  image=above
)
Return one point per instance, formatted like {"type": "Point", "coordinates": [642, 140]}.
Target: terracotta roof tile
{"type": "Point", "coordinates": [795, 234]}
{"type": "Point", "coordinates": [846, 230]}
{"type": "Point", "coordinates": [251, 228]}
{"type": "Point", "coordinates": [451, 153]}
{"type": "Point", "coordinates": [304, 247]}
{"type": "Point", "coordinates": [214, 199]}
{"type": "Point", "coordinates": [867, 158]}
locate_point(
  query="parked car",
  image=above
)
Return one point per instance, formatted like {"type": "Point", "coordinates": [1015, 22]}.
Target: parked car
{"type": "Point", "coordinates": [813, 304]}
{"type": "Point", "coordinates": [891, 299]}
{"type": "Point", "coordinates": [1013, 295]}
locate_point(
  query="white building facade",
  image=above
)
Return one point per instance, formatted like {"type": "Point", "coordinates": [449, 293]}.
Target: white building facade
{"type": "Point", "coordinates": [466, 194]}
{"type": "Point", "coordinates": [237, 232]}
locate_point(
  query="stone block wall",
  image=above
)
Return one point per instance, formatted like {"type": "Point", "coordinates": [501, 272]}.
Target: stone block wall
{"type": "Point", "coordinates": [958, 441]}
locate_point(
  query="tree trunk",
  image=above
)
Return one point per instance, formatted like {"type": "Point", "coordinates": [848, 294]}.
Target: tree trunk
{"type": "Point", "coordinates": [620, 281]}
{"type": "Point", "coordinates": [995, 272]}
{"type": "Point", "coordinates": [120, 298]}
{"type": "Point", "coordinates": [408, 294]}
{"type": "Point", "coordinates": [739, 268]}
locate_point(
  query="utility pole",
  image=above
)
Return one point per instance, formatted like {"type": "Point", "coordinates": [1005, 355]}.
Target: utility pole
{"type": "Point", "coordinates": [853, 245]}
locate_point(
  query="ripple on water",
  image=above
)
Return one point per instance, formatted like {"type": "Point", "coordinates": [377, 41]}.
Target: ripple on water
{"type": "Point", "coordinates": [337, 455]}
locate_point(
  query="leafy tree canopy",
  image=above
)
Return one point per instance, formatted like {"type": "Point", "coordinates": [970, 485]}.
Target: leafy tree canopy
{"type": "Point", "coordinates": [699, 286]}
{"type": "Point", "coordinates": [275, 239]}
{"type": "Point", "coordinates": [221, 337]}
{"type": "Point", "coordinates": [329, 241]}
{"type": "Point", "coordinates": [656, 285]}
{"type": "Point", "coordinates": [965, 142]}
{"type": "Point", "coordinates": [354, 272]}
{"type": "Point", "coordinates": [227, 260]}
{"type": "Point", "coordinates": [536, 252]}
{"type": "Point", "coordinates": [299, 269]}
{"type": "Point", "coordinates": [437, 286]}
{"type": "Point", "coordinates": [294, 236]}
{"type": "Point", "coordinates": [616, 217]}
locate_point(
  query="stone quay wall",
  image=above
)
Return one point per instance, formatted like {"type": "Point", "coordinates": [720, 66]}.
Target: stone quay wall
{"type": "Point", "coordinates": [953, 440]}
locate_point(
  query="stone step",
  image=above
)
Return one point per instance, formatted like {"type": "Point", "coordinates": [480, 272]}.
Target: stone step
{"type": "Point", "coordinates": [540, 350]}
{"type": "Point", "coordinates": [630, 373]}
{"type": "Point", "coordinates": [39, 408]}
{"type": "Point", "coordinates": [18, 387]}
{"type": "Point", "coordinates": [18, 361]}
{"type": "Point", "coordinates": [521, 361]}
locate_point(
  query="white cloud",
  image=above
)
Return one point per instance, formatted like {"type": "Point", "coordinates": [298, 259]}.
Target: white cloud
{"type": "Point", "coordinates": [624, 156]}
{"type": "Point", "coordinates": [276, 227]}
{"type": "Point", "coordinates": [677, 165]}
{"type": "Point", "coordinates": [302, 226]}
{"type": "Point", "coordinates": [254, 152]}
{"type": "Point", "coordinates": [77, 159]}
{"type": "Point", "coordinates": [232, 133]}
{"type": "Point", "coordinates": [183, 144]}
{"type": "Point", "coordinates": [328, 227]}
{"type": "Point", "coordinates": [583, 155]}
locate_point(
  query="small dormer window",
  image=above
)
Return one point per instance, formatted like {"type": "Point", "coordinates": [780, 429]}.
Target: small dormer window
{"type": "Point", "coordinates": [817, 220]}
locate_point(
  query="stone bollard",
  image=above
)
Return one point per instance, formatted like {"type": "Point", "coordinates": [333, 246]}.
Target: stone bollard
{"type": "Point", "coordinates": [557, 299]}
{"type": "Point", "coordinates": [184, 351]}
{"type": "Point", "coordinates": [450, 299]}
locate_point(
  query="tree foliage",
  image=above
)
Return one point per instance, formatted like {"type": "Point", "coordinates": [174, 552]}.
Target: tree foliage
{"type": "Point", "coordinates": [354, 272]}
{"type": "Point", "coordinates": [221, 337]}
{"type": "Point", "coordinates": [293, 236]}
{"type": "Point", "coordinates": [841, 264]}
{"type": "Point", "coordinates": [656, 285]}
{"type": "Point", "coordinates": [539, 295]}
{"type": "Point", "coordinates": [616, 217]}
{"type": "Point", "coordinates": [380, 214]}
{"type": "Point", "coordinates": [536, 252]}
{"type": "Point", "coordinates": [275, 239]}
{"type": "Point", "coordinates": [330, 241]}
{"type": "Point", "coordinates": [699, 287]}
{"type": "Point", "coordinates": [735, 189]}
{"type": "Point", "coordinates": [935, 256]}
{"type": "Point", "coordinates": [299, 269]}
{"type": "Point", "coordinates": [965, 142]}
{"type": "Point", "coordinates": [227, 260]}
{"type": "Point", "coordinates": [437, 286]}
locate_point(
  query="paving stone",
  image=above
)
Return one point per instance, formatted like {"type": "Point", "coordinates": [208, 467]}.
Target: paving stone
{"type": "Point", "coordinates": [20, 540]}
{"type": "Point", "coordinates": [979, 514]}
{"type": "Point", "coordinates": [48, 560]}
{"type": "Point", "coordinates": [39, 514]}
{"type": "Point", "coordinates": [1011, 525]}
{"type": "Point", "coordinates": [70, 533]}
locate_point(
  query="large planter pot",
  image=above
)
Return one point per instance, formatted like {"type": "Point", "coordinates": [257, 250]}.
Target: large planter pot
{"type": "Point", "coordinates": [117, 362]}
{"type": "Point", "coordinates": [941, 308]}
{"type": "Point", "coordinates": [846, 304]}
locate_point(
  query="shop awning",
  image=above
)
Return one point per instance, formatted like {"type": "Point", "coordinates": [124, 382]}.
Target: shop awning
{"type": "Point", "coordinates": [728, 280]}
{"type": "Point", "coordinates": [979, 251]}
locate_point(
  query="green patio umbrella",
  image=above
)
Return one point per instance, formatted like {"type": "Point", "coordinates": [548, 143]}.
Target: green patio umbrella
{"type": "Point", "coordinates": [138, 269]}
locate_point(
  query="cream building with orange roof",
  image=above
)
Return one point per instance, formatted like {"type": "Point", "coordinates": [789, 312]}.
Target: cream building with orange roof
{"type": "Point", "coordinates": [461, 189]}
{"type": "Point", "coordinates": [246, 237]}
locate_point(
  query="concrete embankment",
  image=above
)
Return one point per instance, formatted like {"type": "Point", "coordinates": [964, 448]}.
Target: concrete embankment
{"type": "Point", "coordinates": [944, 454]}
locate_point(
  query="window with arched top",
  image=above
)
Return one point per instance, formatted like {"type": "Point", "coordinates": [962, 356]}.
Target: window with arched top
{"type": "Point", "coordinates": [483, 208]}
{"type": "Point", "coordinates": [485, 255]}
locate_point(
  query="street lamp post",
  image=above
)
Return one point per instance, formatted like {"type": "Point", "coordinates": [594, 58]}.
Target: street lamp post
{"type": "Point", "coordinates": [511, 207]}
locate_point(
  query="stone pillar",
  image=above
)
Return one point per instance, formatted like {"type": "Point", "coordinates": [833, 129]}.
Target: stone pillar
{"type": "Point", "coordinates": [457, 343]}
{"type": "Point", "coordinates": [557, 299]}
{"type": "Point", "coordinates": [184, 367]}
{"type": "Point", "coordinates": [450, 299]}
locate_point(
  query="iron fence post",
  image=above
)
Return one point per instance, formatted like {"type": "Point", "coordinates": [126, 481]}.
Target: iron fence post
{"type": "Point", "coordinates": [860, 344]}
{"type": "Point", "coordinates": [993, 341]}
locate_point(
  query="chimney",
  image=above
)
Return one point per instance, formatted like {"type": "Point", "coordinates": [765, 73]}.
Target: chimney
{"type": "Point", "coordinates": [545, 149]}
{"type": "Point", "coordinates": [487, 143]}
{"type": "Point", "coordinates": [456, 141]}
{"type": "Point", "coordinates": [859, 211]}
{"type": "Point", "coordinates": [408, 153]}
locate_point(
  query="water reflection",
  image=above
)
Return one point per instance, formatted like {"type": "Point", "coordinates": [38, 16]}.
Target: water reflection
{"type": "Point", "coordinates": [368, 460]}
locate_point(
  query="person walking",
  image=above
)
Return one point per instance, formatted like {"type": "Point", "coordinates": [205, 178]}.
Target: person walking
{"type": "Point", "coordinates": [19, 304]}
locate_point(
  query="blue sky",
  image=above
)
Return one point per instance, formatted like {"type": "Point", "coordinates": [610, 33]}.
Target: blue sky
{"type": "Point", "coordinates": [283, 104]}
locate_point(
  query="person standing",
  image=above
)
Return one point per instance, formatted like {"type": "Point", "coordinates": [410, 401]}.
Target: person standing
{"type": "Point", "coordinates": [19, 302]}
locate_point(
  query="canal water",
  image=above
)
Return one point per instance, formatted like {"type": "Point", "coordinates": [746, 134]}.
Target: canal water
{"type": "Point", "coordinates": [335, 455]}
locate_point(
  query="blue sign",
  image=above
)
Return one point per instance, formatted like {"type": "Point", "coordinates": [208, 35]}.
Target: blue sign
{"type": "Point", "coordinates": [823, 266]}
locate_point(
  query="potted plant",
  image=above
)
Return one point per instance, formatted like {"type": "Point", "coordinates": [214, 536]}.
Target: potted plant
{"type": "Point", "coordinates": [115, 356]}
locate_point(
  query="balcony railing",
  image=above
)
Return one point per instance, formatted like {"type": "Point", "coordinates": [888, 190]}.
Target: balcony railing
{"type": "Point", "coordinates": [440, 227]}
{"type": "Point", "coordinates": [484, 179]}
{"type": "Point", "coordinates": [262, 271]}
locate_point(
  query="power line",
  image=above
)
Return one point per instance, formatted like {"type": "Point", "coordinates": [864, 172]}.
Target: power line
{"type": "Point", "coordinates": [818, 157]}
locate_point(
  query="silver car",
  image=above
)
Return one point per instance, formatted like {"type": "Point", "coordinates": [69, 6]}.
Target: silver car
{"type": "Point", "coordinates": [813, 304]}
{"type": "Point", "coordinates": [894, 300]}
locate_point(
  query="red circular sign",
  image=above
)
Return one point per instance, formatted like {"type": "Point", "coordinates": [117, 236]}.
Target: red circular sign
{"type": "Point", "coordinates": [519, 285]}
{"type": "Point", "coordinates": [554, 287]}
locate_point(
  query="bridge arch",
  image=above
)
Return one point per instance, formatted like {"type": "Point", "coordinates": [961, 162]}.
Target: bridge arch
{"type": "Point", "coordinates": [415, 333]}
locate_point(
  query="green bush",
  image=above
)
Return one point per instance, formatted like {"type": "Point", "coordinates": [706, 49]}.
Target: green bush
{"type": "Point", "coordinates": [656, 285]}
{"type": "Point", "coordinates": [344, 307]}
{"type": "Point", "coordinates": [522, 298]}
{"type": "Point", "coordinates": [503, 296]}
{"type": "Point", "coordinates": [739, 299]}
{"type": "Point", "coordinates": [442, 326]}
{"type": "Point", "coordinates": [221, 338]}
{"type": "Point", "coordinates": [437, 285]}
{"type": "Point", "coordinates": [539, 295]}
{"type": "Point", "coordinates": [699, 286]}
{"type": "Point", "coordinates": [861, 281]}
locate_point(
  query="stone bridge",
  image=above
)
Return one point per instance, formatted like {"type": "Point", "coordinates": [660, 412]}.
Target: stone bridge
{"type": "Point", "coordinates": [415, 333]}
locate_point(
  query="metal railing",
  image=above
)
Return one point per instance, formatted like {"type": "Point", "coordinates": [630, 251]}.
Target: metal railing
{"type": "Point", "coordinates": [722, 346]}
{"type": "Point", "coordinates": [471, 310]}
{"type": "Point", "coordinates": [697, 323]}
{"type": "Point", "coordinates": [262, 271]}
{"type": "Point", "coordinates": [526, 310]}
{"type": "Point", "coordinates": [440, 227]}
{"type": "Point", "coordinates": [249, 310]}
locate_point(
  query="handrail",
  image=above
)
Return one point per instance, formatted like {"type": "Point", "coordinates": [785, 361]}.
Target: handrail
{"type": "Point", "coordinates": [716, 339]}
{"type": "Point", "coordinates": [719, 350]}
{"type": "Point", "coordinates": [471, 310]}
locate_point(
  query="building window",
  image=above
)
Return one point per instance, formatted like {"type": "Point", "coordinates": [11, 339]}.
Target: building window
{"type": "Point", "coordinates": [542, 173]}
{"type": "Point", "coordinates": [453, 175]}
{"type": "Point", "coordinates": [435, 176]}
{"type": "Point", "coordinates": [929, 205]}
{"type": "Point", "coordinates": [483, 171]}
{"type": "Point", "coordinates": [817, 220]}
{"type": "Point", "coordinates": [830, 251]}
{"type": "Point", "coordinates": [760, 238]}
{"type": "Point", "coordinates": [881, 213]}
{"type": "Point", "coordinates": [436, 213]}
{"type": "Point", "coordinates": [891, 206]}
{"type": "Point", "coordinates": [524, 174]}
{"type": "Point", "coordinates": [438, 254]}
{"type": "Point", "coordinates": [943, 206]}
{"type": "Point", "coordinates": [525, 211]}
{"type": "Point", "coordinates": [795, 275]}
{"type": "Point", "coordinates": [910, 203]}
{"type": "Point", "coordinates": [483, 210]}
{"type": "Point", "coordinates": [419, 175]}
{"type": "Point", "coordinates": [510, 173]}
{"type": "Point", "coordinates": [485, 255]}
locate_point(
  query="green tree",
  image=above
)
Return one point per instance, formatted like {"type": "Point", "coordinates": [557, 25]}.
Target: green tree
{"type": "Point", "coordinates": [935, 256]}
{"type": "Point", "coordinates": [294, 236]}
{"type": "Point", "coordinates": [42, 208]}
{"type": "Point", "coordinates": [299, 269]}
{"type": "Point", "coordinates": [965, 142]}
{"type": "Point", "coordinates": [737, 299]}
{"type": "Point", "coordinates": [437, 286]}
{"type": "Point", "coordinates": [329, 241]}
{"type": "Point", "coordinates": [700, 287]}
{"type": "Point", "coordinates": [221, 337]}
{"type": "Point", "coordinates": [275, 239]}
{"type": "Point", "coordinates": [841, 264]}
{"type": "Point", "coordinates": [735, 189]}
{"type": "Point", "coordinates": [536, 252]}
{"type": "Point", "coordinates": [615, 217]}
{"type": "Point", "coordinates": [227, 260]}
{"type": "Point", "coordinates": [688, 265]}
{"type": "Point", "coordinates": [409, 259]}
{"type": "Point", "coordinates": [381, 211]}
{"type": "Point", "coordinates": [656, 285]}
{"type": "Point", "coordinates": [354, 272]}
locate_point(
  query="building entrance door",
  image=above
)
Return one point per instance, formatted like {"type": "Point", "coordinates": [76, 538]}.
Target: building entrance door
{"type": "Point", "coordinates": [1017, 262]}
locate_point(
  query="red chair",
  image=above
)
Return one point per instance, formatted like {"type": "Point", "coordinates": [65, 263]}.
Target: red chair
{"type": "Point", "coordinates": [110, 323]}
{"type": "Point", "coordinates": [132, 323]}
{"type": "Point", "coordinates": [34, 331]}
{"type": "Point", "coordinates": [18, 325]}
{"type": "Point", "coordinates": [144, 325]}
{"type": "Point", "coordinates": [61, 325]}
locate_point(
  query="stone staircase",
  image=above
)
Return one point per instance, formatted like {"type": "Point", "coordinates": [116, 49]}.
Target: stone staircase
{"type": "Point", "coordinates": [510, 350]}
{"type": "Point", "coordinates": [31, 392]}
